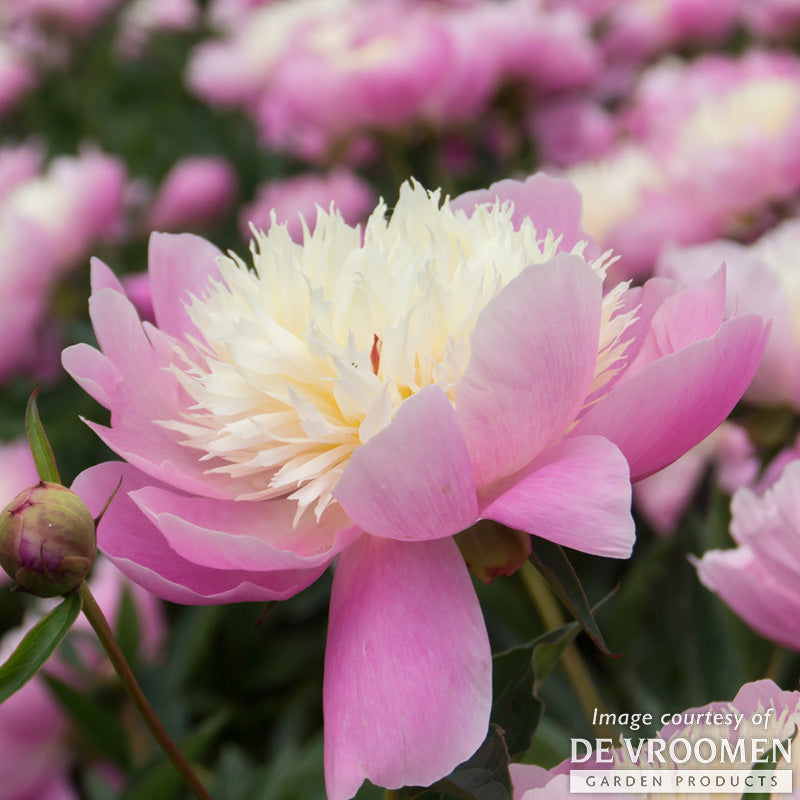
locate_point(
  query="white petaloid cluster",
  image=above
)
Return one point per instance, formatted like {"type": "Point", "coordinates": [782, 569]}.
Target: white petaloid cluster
{"type": "Point", "coordinates": [310, 354]}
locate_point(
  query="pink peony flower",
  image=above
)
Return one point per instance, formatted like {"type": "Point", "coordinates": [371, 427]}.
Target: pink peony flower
{"type": "Point", "coordinates": [47, 223]}
{"type": "Point", "coordinates": [78, 200]}
{"type": "Point", "coordinates": [762, 278]}
{"type": "Point", "coordinates": [370, 395]}
{"type": "Point", "coordinates": [534, 783]}
{"type": "Point", "coordinates": [726, 124]}
{"type": "Point", "coordinates": [294, 200]}
{"type": "Point", "coordinates": [709, 145]}
{"type": "Point", "coordinates": [195, 194]}
{"type": "Point", "coordinates": [759, 578]}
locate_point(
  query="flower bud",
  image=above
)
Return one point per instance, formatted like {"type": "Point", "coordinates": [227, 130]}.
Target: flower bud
{"type": "Point", "coordinates": [490, 549]}
{"type": "Point", "coordinates": [47, 539]}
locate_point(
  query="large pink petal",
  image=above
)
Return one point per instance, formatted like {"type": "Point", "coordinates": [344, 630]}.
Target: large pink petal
{"type": "Point", "coordinates": [259, 535]}
{"type": "Point", "coordinates": [179, 265]}
{"type": "Point", "coordinates": [676, 401]}
{"type": "Point", "coordinates": [578, 494]}
{"type": "Point", "coordinates": [133, 379]}
{"type": "Point", "coordinates": [534, 350]}
{"type": "Point", "coordinates": [407, 689]}
{"type": "Point", "coordinates": [412, 480]}
{"type": "Point", "coordinates": [141, 552]}
{"type": "Point", "coordinates": [551, 203]}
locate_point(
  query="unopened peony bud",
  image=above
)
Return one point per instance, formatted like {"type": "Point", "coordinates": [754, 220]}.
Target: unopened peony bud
{"type": "Point", "coordinates": [490, 549]}
{"type": "Point", "coordinates": [47, 539]}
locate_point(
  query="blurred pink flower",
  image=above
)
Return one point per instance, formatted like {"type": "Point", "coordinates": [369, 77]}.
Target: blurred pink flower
{"type": "Point", "coordinates": [18, 164]}
{"type": "Point", "coordinates": [140, 19]}
{"type": "Point", "coordinates": [775, 20]}
{"type": "Point", "coordinates": [705, 146]}
{"type": "Point", "coordinates": [726, 124]}
{"type": "Point", "coordinates": [319, 76]}
{"type": "Point", "coordinates": [637, 30]}
{"type": "Point", "coordinates": [75, 203]}
{"type": "Point", "coordinates": [664, 497]}
{"type": "Point", "coordinates": [195, 194]}
{"type": "Point", "coordinates": [17, 75]}
{"type": "Point", "coordinates": [47, 222]}
{"type": "Point", "coordinates": [634, 204]}
{"type": "Point", "coordinates": [762, 279]}
{"type": "Point", "coordinates": [294, 198]}
{"type": "Point", "coordinates": [17, 470]}
{"type": "Point", "coordinates": [570, 130]}
{"type": "Point", "coordinates": [759, 579]}
{"type": "Point", "coordinates": [78, 16]}
{"type": "Point", "coordinates": [535, 783]}
{"type": "Point", "coordinates": [370, 395]}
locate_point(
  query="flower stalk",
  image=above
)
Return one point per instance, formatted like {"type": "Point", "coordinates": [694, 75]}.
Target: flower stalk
{"type": "Point", "coordinates": [104, 634]}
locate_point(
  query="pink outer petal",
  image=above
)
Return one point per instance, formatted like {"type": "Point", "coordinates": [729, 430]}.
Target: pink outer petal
{"type": "Point", "coordinates": [684, 317]}
{"type": "Point", "coordinates": [131, 377]}
{"type": "Point", "coordinates": [551, 203]}
{"type": "Point", "coordinates": [676, 401]}
{"type": "Point", "coordinates": [578, 494]}
{"type": "Point", "coordinates": [140, 551]}
{"type": "Point", "coordinates": [103, 277]}
{"type": "Point", "coordinates": [534, 350]}
{"type": "Point", "coordinates": [407, 690]}
{"type": "Point", "coordinates": [226, 534]}
{"type": "Point", "coordinates": [179, 266]}
{"type": "Point", "coordinates": [412, 480]}
{"type": "Point", "coordinates": [766, 603]}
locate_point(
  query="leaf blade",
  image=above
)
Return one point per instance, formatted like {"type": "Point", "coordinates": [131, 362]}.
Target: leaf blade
{"type": "Point", "coordinates": [38, 645]}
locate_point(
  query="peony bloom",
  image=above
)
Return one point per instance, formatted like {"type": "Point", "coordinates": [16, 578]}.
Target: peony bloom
{"type": "Point", "coordinates": [294, 201]}
{"type": "Point", "coordinates": [759, 578]}
{"type": "Point", "coordinates": [372, 394]}
{"type": "Point", "coordinates": [47, 222]}
{"type": "Point", "coordinates": [195, 194]}
{"type": "Point", "coordinates": [763, 279]}
{"type": "Point", "coordinates": [756, 698]}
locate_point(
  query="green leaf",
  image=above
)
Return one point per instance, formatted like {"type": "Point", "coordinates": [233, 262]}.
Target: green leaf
{"type": "Point", "coordinates": [552, 562]}
{"type": "Point", "coordinates": [99, 726]}
{"type": "Point", "coordinates": [38, 645]}
{"type": "Point", "coordinates": [485, 775]}
{"type": "Point", "coordinates": [40, 446]}
{"type": "Point", "coordinates": [517, 675]}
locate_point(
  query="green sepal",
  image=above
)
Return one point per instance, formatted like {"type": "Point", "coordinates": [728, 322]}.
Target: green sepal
{"type": "Point", "coordinates": [42, 453]}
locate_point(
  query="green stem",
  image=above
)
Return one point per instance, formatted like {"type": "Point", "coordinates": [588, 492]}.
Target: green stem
{"type": "Point", "coordinates": [103, 631]}
{"type": "Point", "coordinates": [572, 661]}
